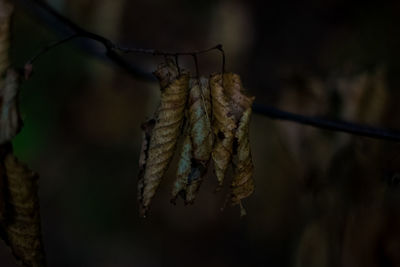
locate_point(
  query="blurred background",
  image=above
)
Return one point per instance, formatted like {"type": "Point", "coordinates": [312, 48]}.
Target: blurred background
{"type": "Point", "coordinates": [322, 198]}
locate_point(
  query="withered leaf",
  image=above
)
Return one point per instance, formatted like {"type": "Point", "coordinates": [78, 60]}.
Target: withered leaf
{"type": "Point", "coordinates": [22, 228]}
{"type": "Point", "coordinates": [223, 127]}
{"type": "Point", "coordinates": [164, 136]}
{"type": "Point", "coordinates": [243, 183]}
{"type": "Point", "coordinates": [147, 128]}
{"type": "Point", "coordinates": [184, 169]}
{"type": "Point", "coordinates": [10, 120]}
{"type": "Point", "coordinates": [232, 110]}
{"type": "Point", "coordinates": [197, 147]}
{"type": "Point", "coordinates": [189, 174]}
{"type": "Point", "coordinates": [199, 119]}
{"type": "Point", "coordinates": [194, 181]}
{"type": "Point", "coordinates": [6, 10]}
{"type": "Point", "coordinates": [239, 101]}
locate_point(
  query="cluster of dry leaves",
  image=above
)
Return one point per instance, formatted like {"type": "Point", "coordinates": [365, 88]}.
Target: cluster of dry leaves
{"type": "Point", "coordinates": [212, 115]}
{"type": "Point", "coordinates": [19, 203]}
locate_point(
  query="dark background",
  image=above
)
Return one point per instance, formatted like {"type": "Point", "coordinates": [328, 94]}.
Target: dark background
{"type": "Point", "coordinates": [322, 198]}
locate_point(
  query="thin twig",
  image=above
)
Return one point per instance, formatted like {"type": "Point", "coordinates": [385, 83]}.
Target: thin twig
{"type": "Point", "coordinates": [49, 47]}
{"type": "Point", "coordinates": [108, 44]}
{"type": "Point", "coordinates": [221, 49]}
{"type": "Point", "coordinates": [196, 65]}
{"type": "Point", "coordinates": [111, 46]}
{"type": "Point", "coordinates": [332, 125]}
{"type": "Point", "coordinates": [176, 56]}
{"type": "Point", "coordinates": [156, 52]}
{"type": "Point", "coordinates": [63, 26]}
{"type": "Point", "coordinates": [271, 112]}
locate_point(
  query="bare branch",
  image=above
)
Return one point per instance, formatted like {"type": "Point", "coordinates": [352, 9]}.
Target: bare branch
{"type": "Point", "coordinates": [332, 125]}
{"type": "Point", "coordinates": [43, 9]}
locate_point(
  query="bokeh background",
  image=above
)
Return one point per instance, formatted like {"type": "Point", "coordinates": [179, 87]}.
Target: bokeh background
{"type": "Point", "coordinates": [322, 198]}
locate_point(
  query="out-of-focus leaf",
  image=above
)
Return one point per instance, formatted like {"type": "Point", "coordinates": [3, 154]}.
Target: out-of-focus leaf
{"type": "Point", "coordinates": [374, 97]}
{"type": "Point", "coordinates": [168, 122]}
{"type": "Point", "coordinates": [10, 120]}
{"type": "Point", "coordinates": [6, 10]}
{"type": "Point", "coordinates": [8, 91]}
{"type": "Point", "coordinates": [22, 228]}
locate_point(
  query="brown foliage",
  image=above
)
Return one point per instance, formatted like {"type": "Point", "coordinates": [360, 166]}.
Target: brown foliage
{"type": "Point", "coordinates": [196, 150]}
{"type": "Point", "coordinates": [164, 136]}
{"type": "Point", "coordinates": [217, 125]}
{"type": "Point", "coordinates": [232, 111]}
{"type": "Point", "coordinates": [223, 127]}
{"type": "Point", "coordinates": [22, 230]}
{"type": "Point", "coordinates": [242, 184]}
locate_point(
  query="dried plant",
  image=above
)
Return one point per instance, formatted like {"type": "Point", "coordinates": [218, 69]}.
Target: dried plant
{"type": "Point", "coordinates": [217, 109]}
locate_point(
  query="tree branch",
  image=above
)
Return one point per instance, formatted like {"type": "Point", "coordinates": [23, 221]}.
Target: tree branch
{"type": "Point", "coordinates": [47, 13]}
{"type": "Point", "coordinates": [332, 125]}
{"type": "Point", "coordinates": [65, 27]}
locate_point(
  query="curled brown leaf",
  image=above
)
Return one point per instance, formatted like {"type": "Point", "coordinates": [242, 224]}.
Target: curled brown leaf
{"type": "Point", "coordinates": [197, 147]}
{"type": "Point", "coordinates": [240, 104]}
{"type": "Point", "coordinates": [164, 136]}
{"type": "Point", "coordinates": [199, 118]}
{"type": "Point", "coordinates": [223, 125]}
{"type": "Point", "coordinates": [22, 228]}
{"type": "Point", "coordinates": [239, 101]}
{"type": "Point", "coordinates": [243, 183]}
{"type": "Point", "coordinates": [232, 111]}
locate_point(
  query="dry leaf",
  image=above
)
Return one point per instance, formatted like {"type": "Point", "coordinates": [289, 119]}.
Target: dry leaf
{"type": "Point", "coordinates": [194, 181]}
{"type": "Point", "coordinates": [6, 10]}
{"type": "Point", "coordinates": [223, 127]}
{"type": "Point", "coordinates": [168, 122]}
{"type": "Point", "coordinates": [22, 228]}
{"type": "Point", "coordinates": [189, 174]}
{"type": "Point", "coordinates": [199, 118]}
{"type": "Point", "coordinates": [10, 120]}
{"type": "Point", "coordinates": [242, 184]}
{"type": "Point", "coordinates": [147, 128]}
{"type": "Point", "coordinates": [239, 102]}
{"type": "Point", "coordinates": [184, 169]}
{"type": "Point", "coordinates": [232, 111]}
{"type": "Point", "coordinates": [197, 147]}
{"type": "Point", "coordinates": [201, 135]}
